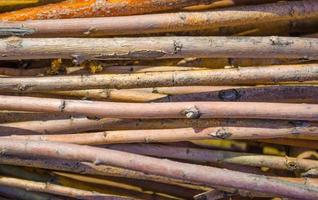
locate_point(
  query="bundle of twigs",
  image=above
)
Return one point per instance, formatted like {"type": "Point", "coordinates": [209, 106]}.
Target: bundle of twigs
{"type": "Point", "coordinates": [165, 99]}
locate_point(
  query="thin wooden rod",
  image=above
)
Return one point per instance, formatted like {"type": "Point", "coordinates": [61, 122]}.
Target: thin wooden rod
{"type": "Point", "coordinates": [189, 110]}
{"type": "Point", "coordinates": [81, 49]}
{"type": "Point", "coordinates": [237, 76]}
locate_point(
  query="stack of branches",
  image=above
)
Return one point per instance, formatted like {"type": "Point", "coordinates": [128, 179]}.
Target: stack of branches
{"type": "Point", "coordinates": [165, 99]}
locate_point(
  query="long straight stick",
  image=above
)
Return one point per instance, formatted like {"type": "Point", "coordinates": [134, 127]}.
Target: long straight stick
{"type": "Point", "coordinates": [82, 49]}
{"type": "Point", "coordinates": [159, 23]}
{"type": "Point", "coordinates": [208, 175]}
{"type": "Point", "coordinates": [190, 110]}
{"type": "Point", "coordinates": [230, 131]}
{"type": "Point", "coordinates": [237, 76]}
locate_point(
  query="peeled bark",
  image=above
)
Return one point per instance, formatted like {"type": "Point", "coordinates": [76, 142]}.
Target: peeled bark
{"type": "Point", "coordinates": [156, 23]}
{"type": "Point", "coordinates": [81, 49]}
{"type": "Point", "coordinates": [197, 173]}
{"type": "Point", "coordinates": [218, 157]}
{"type": "Point", "coordinates": [94, 8]}
{"type": "Point", "coordinates": [217, 77]}
{"type": "Point", "coordinates": [189, 110]}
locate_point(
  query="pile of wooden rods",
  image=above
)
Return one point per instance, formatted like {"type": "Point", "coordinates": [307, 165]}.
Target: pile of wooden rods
{"type": "Point", "coordinates": [165, 99]}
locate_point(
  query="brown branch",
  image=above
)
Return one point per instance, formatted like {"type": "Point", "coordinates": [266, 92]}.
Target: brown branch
{"type": "Point", "coordinates": [160, 23]}
{"type": "Point", "coordinates": [81, 49]}
{"type": "Point", "coordinates": [236, 76]}
{"type": "Point", "coordinates": [190, 110]}
{"type": "Point", "coordinates": [197, 173]}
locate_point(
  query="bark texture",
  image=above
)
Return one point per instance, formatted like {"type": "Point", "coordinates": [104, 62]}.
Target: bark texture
{"type": "Point", "coordinates": [81, 49]}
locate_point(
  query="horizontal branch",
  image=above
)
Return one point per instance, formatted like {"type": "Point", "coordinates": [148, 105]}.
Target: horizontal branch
{"type": "Point", "coordinates": [93, 8]}
{"type": "Point", "coordinates": [77, 125]}
{"type": "Point", "coordinates": [81, 49]}
{"type": "Point", "coordinates": [208, 175]}
{"type": "Point", "coordinates": [92, 169]}
{"type": "Point", "coordinates": [190, 110]}
{"type": "Point", "coordinates": [55, 189]}
{"type": "Point", "coordinates": [218, 157]}
{"type": "Point", "coordinates": [286, 94]}
{"type": "Point", "coordinates": [236, 76]}
{"type": "Point", "coordinates": [230, 130]}
{"type": "Point", "coordinates": [160, 23]}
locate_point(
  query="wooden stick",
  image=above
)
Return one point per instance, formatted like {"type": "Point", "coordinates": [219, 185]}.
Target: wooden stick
{"type": "Point", "coordinates": [226, 130]}
{"type": "Point", "coordinates": [92, 169]}
{"type": "Point", "coordinates": [237, 76]}
{"type": "Point", "coordinates": [213, 156]}
{"type": "Point", "coordinates": [282, 94]}
{"type": "Point", "coordinates": [94, 8]}
{"type": "Point", "coordinates": [77, 125]}
{"type": "Point", "coordinates": [207, 175]}
{"type": "Point", "coordinates": [160, 23]}
{"type": "Point", "coordinates": [168, 135]}
{"type": "Point", "coordinates": [81, 49]}
{"type": "Point", "coordinates": [53, 189]}
{"type": "Point", "coordinates": [227, 3]}
{"type": "Point", "coordinates": [286, 94]}
{"type": "Point", "coordinates": [190, 110]}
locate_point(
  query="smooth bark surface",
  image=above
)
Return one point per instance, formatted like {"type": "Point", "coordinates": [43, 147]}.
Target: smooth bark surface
{"type": "Point", "coordinates": [189, 110]}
